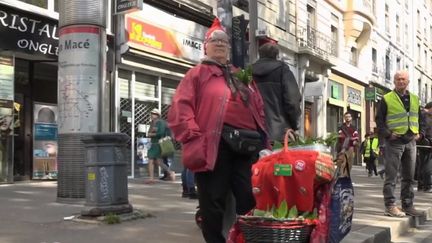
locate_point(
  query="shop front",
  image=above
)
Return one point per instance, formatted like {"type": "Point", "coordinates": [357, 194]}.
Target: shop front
{"type": "Point", "coordinates": [160, 51]}
{"type": "Point", "coordinates": [28, 95]}
{"type": "Point", "coordinates": [344, 95]}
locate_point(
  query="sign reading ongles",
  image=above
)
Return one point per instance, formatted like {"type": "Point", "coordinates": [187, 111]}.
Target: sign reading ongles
{"type": "Point", "coordinates": [21, 31]}
{"type": "Point", "coordinates": [148, 37]}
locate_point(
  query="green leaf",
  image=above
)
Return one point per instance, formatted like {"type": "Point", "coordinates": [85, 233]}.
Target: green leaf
{"type": "Point", "coordinates": [274, 212]}
{"type": "Point", "coordinates": [293, 212]}
{"type": "Point", "coordinates": [277, 145]}
{"type": "Point", "coordinates": [282, 210]}
{"type": "Point", "coordinates": [258, 212]}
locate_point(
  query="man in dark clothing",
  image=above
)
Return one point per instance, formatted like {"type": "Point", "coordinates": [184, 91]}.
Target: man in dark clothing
{"type": "Point", "coordinates": [279, 90]}
{"type": "Point", "coordinates": [424, 160]}
{"type": "Point", "coordinates": [398, 123]}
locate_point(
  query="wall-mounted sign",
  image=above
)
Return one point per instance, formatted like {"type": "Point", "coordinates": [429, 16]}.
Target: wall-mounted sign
{"type": "Point", "coordinates": [126, 6]}
{"type": "Point", "coordinates": [6, 77]}
{"type": "Point", "coordinates": [26, 32]}
{"type": "Point", "coordinates": [166, 35]}
{"type": "Point", "coordinates": [354, 96]}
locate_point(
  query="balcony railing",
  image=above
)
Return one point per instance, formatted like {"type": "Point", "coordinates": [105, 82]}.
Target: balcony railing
{"type": "Point", "coordinates": [318, 43]}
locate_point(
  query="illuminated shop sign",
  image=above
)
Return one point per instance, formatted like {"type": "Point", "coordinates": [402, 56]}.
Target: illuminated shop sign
{"type": "Point", "coordinates": [165, 35]}
{"type": "Point", "coordinates": [26, 32]}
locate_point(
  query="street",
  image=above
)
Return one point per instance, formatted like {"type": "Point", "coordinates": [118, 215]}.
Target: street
{"type": "Point", "coordinates": [30, 213]}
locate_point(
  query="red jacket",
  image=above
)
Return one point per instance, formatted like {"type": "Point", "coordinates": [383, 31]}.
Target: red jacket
{"type": "Point", "coordinates": [197, 112]}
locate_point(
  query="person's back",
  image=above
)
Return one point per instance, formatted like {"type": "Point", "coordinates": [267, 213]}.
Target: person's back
{"type": "Point", "coordinates": [279, 91]}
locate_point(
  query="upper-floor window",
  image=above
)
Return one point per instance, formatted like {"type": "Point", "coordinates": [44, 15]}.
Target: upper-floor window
{"type": "Point", "coordinates": [406, 36]}
{"type": "Point", "coordinates": [39, 3]}
{"type": "Point", "coordinates": [430, 33]}
{"type": "Point", "coordinates": [51, 5]}
{"type": "Point", "coordinates": [387, 19]}
{"type": "Point", "coordinates": [353, 56]}
{"type": "Point", "coordinates": [374, 61]}
{"type": "Point", "coordinates": [334, 43]}
{"type": "Point", "coordinates": [398, 34]}
{"type": "Point", "coordinates": [387, 67]}
{"type": "Point", "coordinates": [418, 20]}
{"type": "Point", "coordinates": [425, 27]}
{"type": "Point", "coordinates": [418, 53]}
{"type": "Point", "coordinates": [311, 16]}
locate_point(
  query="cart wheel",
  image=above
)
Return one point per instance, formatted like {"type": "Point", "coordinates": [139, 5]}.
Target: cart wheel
{"type": "Point", "coordinates": [198, 218]}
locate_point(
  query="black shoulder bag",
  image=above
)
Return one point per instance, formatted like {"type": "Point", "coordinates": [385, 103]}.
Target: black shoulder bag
{"type": "Point", "coordinates": [242, 141]}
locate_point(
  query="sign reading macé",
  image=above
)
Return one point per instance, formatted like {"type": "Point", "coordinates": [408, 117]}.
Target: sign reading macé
{"type": "Point", "coordinates": [25, 32]}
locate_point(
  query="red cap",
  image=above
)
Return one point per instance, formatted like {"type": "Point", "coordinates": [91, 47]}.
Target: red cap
{"type": "Point", "coordinates": [214, 27]}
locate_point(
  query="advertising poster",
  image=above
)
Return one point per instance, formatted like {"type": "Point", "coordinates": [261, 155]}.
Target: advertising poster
{"type": "Point", "coordinates": [6, 140]}
{"type": "Point", "coordinates": [143, 144]}
{"type": "Point", "coordinates": [45, 139]}
{"type": "Point", "coordinates": [6, 78]}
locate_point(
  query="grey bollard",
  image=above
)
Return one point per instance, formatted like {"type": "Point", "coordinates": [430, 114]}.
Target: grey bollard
{"type": "Point", "coordinates": [106, 174]}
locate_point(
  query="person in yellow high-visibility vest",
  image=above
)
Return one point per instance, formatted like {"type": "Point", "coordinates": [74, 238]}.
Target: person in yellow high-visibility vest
{"type": "Point", "coordinates": [370, 153]}
{"type": "Point", "coordinates": [398, 122]}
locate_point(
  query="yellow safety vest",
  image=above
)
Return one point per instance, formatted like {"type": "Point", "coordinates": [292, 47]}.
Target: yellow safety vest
{"type": "Point", "coordinates": [374, 146]}
{"type": "Point", "coordinates": [398, 119]}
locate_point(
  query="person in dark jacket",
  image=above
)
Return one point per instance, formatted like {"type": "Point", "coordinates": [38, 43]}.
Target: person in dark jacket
{"type": "Point", "coordinates": [279, 90]}
{"type": "Point", "coordinates": [424, 158]}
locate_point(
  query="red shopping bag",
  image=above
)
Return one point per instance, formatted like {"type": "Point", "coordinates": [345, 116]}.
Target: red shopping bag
{"type": "Point", "coordinates": [285, 175]}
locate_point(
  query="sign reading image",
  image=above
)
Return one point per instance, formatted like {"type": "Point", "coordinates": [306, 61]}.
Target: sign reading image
{"type": "Point", "coordinates": [25, 32]}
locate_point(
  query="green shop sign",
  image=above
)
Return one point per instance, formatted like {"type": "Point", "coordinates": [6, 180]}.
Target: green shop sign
{"type": "Point", "coordinates": [373, 94]}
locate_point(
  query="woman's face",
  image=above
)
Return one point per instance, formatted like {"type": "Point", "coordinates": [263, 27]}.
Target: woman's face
{"type": "Point", "coordinates": [217, 47]}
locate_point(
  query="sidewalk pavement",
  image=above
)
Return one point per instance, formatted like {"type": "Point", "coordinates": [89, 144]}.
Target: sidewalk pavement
{"type": "Point", "coordinates": [30, 213]}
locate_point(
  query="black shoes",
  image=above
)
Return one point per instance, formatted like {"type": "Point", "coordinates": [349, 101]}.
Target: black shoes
{"type": "Point", "coordinates": [411, 211]}
{"type": "Point", "coordinates": [190, 193]}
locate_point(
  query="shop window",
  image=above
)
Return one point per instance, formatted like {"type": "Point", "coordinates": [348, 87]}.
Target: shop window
{"type": "Point", "coordinates": [168, 89]}
{"type": "Point", "coordinates": [146, 86]}
{"type": "Point", "coordinates": [335, 90]}
{"type": "Point", "coordinates": [39, 3]}
{"type": "Point", "coordinates": [124, 78]}
{"type": "Point", "coordinates": [334, 118]}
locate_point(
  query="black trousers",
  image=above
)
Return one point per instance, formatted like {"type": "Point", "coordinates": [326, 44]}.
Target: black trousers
{"type": "Point", "coordinates": [232, 173]}
{"type": "Point", "coordinates": [424, 168]}
{"type": "Point", "coordinates": [370, 165]}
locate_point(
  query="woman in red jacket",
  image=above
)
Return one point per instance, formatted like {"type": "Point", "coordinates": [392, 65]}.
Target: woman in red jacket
{"type": "Point", "coordinates": [220, 122]}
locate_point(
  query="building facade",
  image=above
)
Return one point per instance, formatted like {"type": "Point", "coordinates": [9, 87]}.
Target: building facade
{"type": "Point", "coordinates": [28, 96]}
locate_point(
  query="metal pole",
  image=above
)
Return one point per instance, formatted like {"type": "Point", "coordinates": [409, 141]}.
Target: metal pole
{"type": "Point", "coordinates": [253, 26]}
{"type": "Point", "coordinates": [81, 85]}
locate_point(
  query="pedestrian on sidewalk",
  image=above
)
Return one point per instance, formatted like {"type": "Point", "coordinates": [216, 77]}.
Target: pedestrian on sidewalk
{"type": "Point", "coordinates": [157, 130]}
{"type": "Point", "coordinates": [348, 139]}
{"type": "Point", "coordinates": [370, 150]}
{"type": "Point", "coordinates": [398, 122]}
{"type": "Point", "coordinates": [279, 90]}
{"type": "Point", "coordinates": [211, 112]}
{"type": "Point", "coordinates": [424, 166]}
{"type": "Point", "coordinates": [188, 184]}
